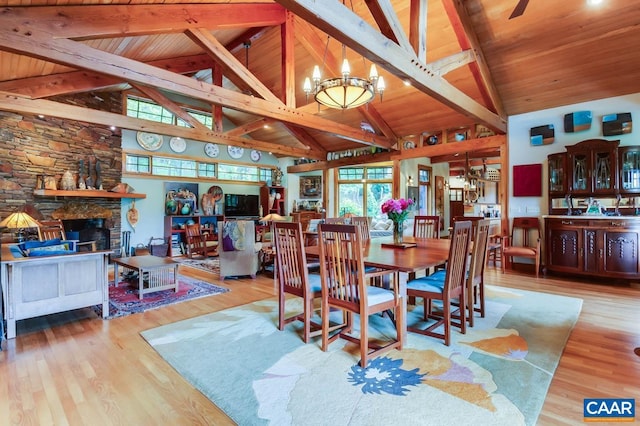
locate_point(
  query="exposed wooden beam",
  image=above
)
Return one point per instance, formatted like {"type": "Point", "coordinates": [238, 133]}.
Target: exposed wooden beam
{"type": "Point", "coordinates": [305, 138]}
{"type": "Point", "coordinates": [83, 81]}
{"type": "Point", "coordinates": [31, 40]}
{"type": "Point", "coordinates": [338, 21]}
{"type": "Point", "coordinates": [287, 56]}
{"type": "Point", "coordinates": [98, 21]}
{"type": "Point", "coordinates": [467, 38]}
{"type": "Point", "coordinates": [451, 62]}
{"type": "Point", "coordinates": [342, 162]}
{"type": "Point", "coordinates": [451, 148]}
{"type": "Point", "coordinates": [388, 22]}
{"type": "Point", "coordinates": [249, 127]}
{"type": "Point", "coordinates": [10, 102]}
{"type": "Point", "coordinates": [229, 63]}
{"type": "Point", "coordinates": [418, 28]}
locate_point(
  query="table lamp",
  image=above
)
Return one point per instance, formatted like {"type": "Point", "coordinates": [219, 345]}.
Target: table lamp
{"type": "Point", "coordinates": [19, 221]}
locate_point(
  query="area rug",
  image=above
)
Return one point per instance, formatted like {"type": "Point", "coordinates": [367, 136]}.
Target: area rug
{"type": "Point", "coordinates": [498, 373]}
{"type": "Point", "coordinates": [124, 300]}
{"type": "Point", "coordinates": [209, 265]}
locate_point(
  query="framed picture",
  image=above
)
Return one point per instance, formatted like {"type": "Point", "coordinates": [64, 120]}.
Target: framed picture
{"type": "Point", "coordinates": [310, 186]}
{"type": "Point", "coordinates": [616, 124]}
{"type": "Point", "coordinates": [577, 121]}
{"type": "Point", "coordinates": [542, 135]}
{"type": "Point", "coordinates": [527, 180]}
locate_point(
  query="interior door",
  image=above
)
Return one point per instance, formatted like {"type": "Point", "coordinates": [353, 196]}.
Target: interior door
{"type": "Point", "coordinates": [456, 204]}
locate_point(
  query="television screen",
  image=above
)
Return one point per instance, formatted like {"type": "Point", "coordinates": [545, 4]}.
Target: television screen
{"type": "Point", "coordinates": [241, 205]}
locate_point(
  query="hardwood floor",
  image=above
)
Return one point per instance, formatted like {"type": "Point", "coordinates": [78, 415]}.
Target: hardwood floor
{"type": "Point", "coordinates": [76, 369]}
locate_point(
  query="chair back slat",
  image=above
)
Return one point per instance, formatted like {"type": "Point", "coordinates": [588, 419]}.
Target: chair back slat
{"type": "Point", "coordinates": [50, 230]}
{"type": "Point", "coordinates": [291, 263]}
{"type": "Point", "coordinates": [342, 265]}
{"type": "Point", "coordinates": [479, 251]}
{"type": "Point", "coordinates": [362, 222]}
{"type": "Point", "coordinates": [528, 229]}
{"type": "Point", "coordinates": [457, 262]}
{"type": "Point", "coordinates": [426, 227]}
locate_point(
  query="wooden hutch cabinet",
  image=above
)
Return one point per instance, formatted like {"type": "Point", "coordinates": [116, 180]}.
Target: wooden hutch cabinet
{"type": "Point", "coordinates": [602, 246]}
{"type": "Point", "coordinates": [593, 167]}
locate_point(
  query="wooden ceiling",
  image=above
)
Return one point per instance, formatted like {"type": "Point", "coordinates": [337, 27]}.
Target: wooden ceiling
{"type": "Point", "coordinates": [447, 64]}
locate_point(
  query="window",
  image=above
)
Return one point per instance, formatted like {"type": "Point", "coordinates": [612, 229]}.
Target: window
{"type": "Point", "coordinates": [148, 111]}
{"type": "Point", "coordinates": [207, 170]}
{"type": "Point", "coordinates": [362, 190]}
{"type": "Point", "coordinates": [238, 173]}
{"type": "Point", "coordinates": [174, 167]}
{"type": "Point", "coordinates": [138, 164]}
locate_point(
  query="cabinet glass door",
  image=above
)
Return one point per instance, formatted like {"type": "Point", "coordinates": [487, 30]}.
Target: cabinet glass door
{"type": "Point", "coordinates": [580, 176]}
{"type": "Point", "coordinates": [630, 178]}
{"type": "Point", "coordinates": [556, 173]}
{"type": "Point", "coordinates": [603, 171]}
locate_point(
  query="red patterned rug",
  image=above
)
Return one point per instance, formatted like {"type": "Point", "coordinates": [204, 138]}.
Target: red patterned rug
{"type": "Point", "coordinates": [124, 300]}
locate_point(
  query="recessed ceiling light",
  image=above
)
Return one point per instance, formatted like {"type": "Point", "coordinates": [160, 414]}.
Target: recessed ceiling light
{"type": "Point", "coordinates": [407, 83]}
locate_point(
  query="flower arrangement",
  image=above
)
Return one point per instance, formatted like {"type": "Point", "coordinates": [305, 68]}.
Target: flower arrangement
{"type": "Point", "coordinates": [397, 210]}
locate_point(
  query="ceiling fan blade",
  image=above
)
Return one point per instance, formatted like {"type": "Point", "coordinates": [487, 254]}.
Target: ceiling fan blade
{"type": "Point", "coordinates": [519, 9]}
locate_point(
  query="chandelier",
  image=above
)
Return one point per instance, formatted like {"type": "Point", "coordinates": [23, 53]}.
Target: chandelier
{"type": "Point", "coordinates": [346, 91]}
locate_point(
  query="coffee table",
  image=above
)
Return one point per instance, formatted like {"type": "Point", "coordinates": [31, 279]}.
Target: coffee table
{"type": "Point", "coordinates": [154, 273]}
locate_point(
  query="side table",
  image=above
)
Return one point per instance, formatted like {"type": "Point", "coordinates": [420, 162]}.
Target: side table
{"type": "Point", "coordinates": [154, 273]}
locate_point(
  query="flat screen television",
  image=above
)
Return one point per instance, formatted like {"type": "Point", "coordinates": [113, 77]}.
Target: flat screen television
{"type": "Point", "coordinates": [241, 205]}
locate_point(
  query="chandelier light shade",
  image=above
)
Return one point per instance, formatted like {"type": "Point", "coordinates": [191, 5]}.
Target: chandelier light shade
{"type": "Point", "coordinates": [344, 92]}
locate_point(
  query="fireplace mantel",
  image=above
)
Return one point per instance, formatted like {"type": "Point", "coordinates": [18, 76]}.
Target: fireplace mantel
{"type": "Point", "coordinates": [87, 193]}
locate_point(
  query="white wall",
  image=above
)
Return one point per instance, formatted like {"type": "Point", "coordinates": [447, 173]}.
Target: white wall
{"type": "Point", "coordinates": [521, 151]}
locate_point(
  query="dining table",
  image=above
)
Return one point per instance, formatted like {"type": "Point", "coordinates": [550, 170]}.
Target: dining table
{"type": "Point", "coordinates": [379, 253]}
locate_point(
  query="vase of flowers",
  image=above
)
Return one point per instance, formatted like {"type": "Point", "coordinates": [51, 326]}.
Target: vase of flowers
{"type": "Point", "coordinates": [397, 211]}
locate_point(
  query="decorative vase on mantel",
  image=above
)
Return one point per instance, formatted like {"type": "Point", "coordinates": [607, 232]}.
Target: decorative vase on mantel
{"type": "Point", "coordinates": [398, 229]}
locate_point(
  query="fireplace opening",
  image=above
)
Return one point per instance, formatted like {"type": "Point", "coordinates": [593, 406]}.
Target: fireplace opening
{"type": "Point", "coordinates": [85, 230]}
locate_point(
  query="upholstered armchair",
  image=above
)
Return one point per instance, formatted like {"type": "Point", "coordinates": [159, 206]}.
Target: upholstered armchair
{"type": "Point", "coordinates": [237, 248]}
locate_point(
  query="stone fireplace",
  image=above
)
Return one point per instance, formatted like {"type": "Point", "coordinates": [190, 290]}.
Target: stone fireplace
{"type": "Point", "coordinates": [89, 230]}
{"type": "Point", "coordinates": [86, 222]}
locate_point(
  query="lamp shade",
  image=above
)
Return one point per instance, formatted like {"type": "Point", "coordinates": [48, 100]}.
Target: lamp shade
{"type": "Point", "coordinates": [19, 220]}
{"type": "Point", "coordinates": [271, 217]}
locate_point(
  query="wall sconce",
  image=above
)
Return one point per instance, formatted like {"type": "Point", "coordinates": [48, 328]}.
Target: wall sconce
{"type": "Point", "coordinates": [409, 181]}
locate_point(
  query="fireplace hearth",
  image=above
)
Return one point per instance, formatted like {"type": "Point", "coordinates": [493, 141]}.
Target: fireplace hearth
{"type": "Point", "coordinates": [85, 230]}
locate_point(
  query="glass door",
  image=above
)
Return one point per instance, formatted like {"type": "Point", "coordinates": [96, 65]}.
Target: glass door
{"type": "Point", "coordinates": [630, 176]}
{"type": "Point", "coordinates": [557, 180]}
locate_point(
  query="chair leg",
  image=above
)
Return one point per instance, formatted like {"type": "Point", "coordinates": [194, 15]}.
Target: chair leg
{"type": "Point", "coordinates": [281, 320]}
{"type": "Point", "coordinates": [325, 326]}
{"type": "Point", "coordinates": [364, 339]}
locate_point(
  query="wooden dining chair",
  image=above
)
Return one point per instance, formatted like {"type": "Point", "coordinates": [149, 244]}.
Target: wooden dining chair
{"type": "Point", "coordinates": [452, 291]}
{"type": "Point", "coordinates": [524, 241]}
{"type": "Point", "coordinates": [342, 220]}
{"type": "Point", "coordinates": [426, 227]}
{"type": "Point", "coordinates": [197, 242]}
{"type": "Point", "coordinates": [345, 288]}
{"type": "Point", "coordinates": [294, 277]}
{"type": "Point", "coordinates": [475, 276]}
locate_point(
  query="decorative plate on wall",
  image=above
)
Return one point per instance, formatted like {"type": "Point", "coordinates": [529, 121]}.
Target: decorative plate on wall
{"type": "Point", "coordinates": [235, 151]}
{"type": "Point", "coordinates": [149, 141]}
{"type": "Point", "coordinates": [177, 144]}
{"type": "Point", "coordinates": [212, 150]}
{"type": "Point", "coordinates": [256, 155]}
